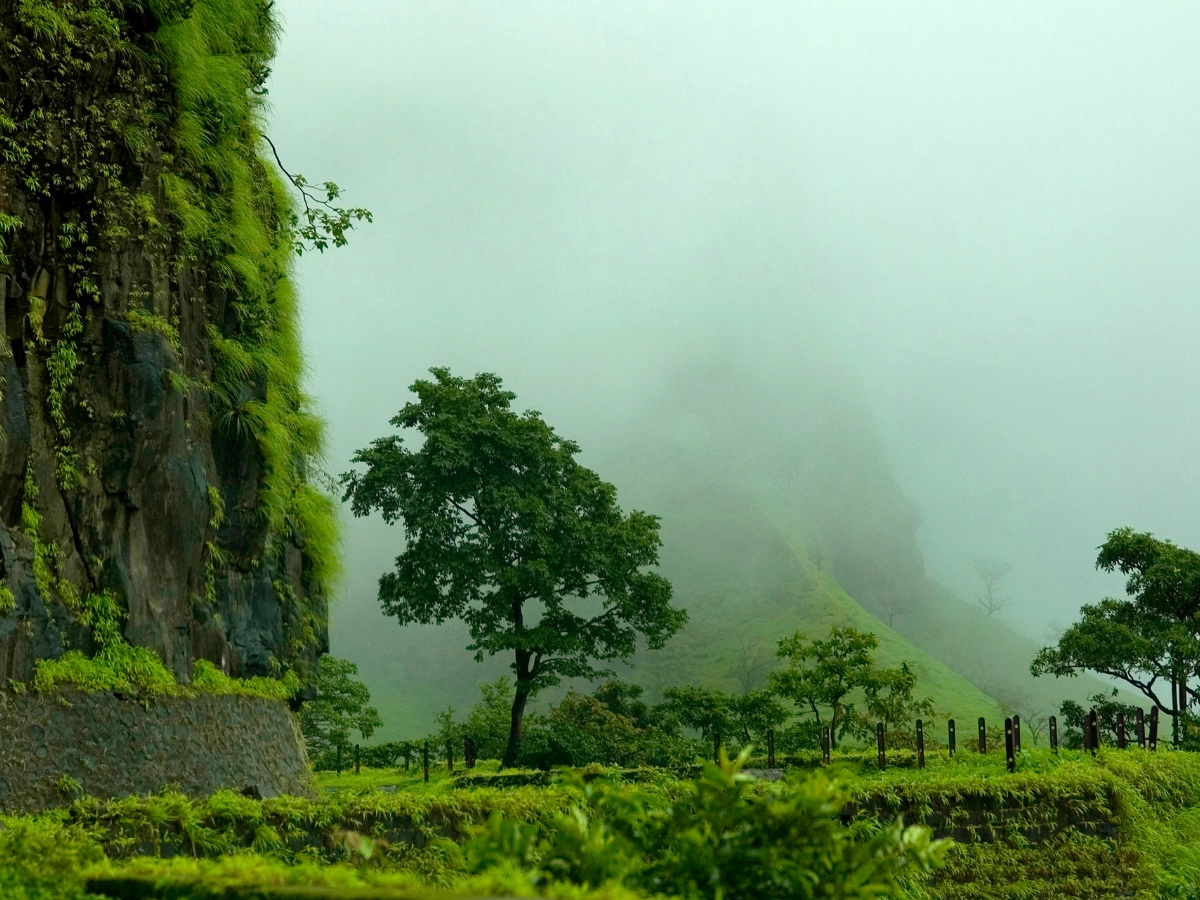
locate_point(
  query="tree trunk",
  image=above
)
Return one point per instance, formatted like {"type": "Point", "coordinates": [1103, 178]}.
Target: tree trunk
{"type": "Point", "coordinates": [1175, 710]}
{"type": "Point", "coordinates": [514, 729]}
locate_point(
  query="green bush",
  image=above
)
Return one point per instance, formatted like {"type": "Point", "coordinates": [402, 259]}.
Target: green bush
{"type": "Point", "coordinates": [719, 838]}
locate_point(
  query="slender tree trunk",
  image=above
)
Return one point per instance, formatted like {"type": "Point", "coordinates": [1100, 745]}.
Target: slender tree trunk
{"type": "Point", "coordinates": [1183, 706]}
{"type": "Point", "coordinates": [1174, 709]}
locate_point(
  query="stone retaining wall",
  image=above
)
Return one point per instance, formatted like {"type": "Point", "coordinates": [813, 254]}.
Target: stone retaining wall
{"type": "Point", "coordinates": [114, 747]}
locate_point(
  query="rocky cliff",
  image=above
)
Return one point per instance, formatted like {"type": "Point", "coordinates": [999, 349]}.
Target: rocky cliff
{"type": "Point", "coordinates": [156, 447]}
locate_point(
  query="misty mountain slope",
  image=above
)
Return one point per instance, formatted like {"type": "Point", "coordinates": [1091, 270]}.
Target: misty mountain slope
{"type": "Point", "coordinates": [780, 512]}
{"type": "Point", "coordinates": [746, 582]}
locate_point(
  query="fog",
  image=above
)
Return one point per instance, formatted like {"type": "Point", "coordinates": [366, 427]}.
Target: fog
{"type": "Point", "coordinates": [980, 220]}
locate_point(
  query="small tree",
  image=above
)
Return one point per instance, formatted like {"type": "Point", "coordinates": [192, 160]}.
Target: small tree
{"type": "Point", "coordinates": [506, 531]}
{"type": "Point", "coordinates": [1107, 706]}
{"type": "Point", "coordinates": [339, 708]}
{"type": "Point", "coordinates": [700, 709]}
{"type": "Point", "coordinates": [822, 674]}
{"type": "Point", "coordinates": [487, 722]}
{"type": "Point", "coordinates": [889, 699]}
{"type": "Point", "coordinates": [992, 574]}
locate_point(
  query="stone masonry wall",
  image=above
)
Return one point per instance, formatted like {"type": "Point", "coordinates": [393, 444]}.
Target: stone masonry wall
{"type": "Point", "coordinates": [115, 747]}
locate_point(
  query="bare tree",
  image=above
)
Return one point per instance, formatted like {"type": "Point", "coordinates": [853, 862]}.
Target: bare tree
{"type": "Point", "coordinates": [894, 607]}
{"type": "Point", "coordinates": [992, 599]}
{"type": "Point", "coordinates": [753, 661]}
{"type": "Point", "coordinates": [1035, 723]}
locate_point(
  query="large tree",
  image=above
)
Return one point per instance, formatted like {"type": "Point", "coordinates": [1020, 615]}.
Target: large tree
{"type": "Point", "coordinates": [1150, 641]}
{"type": "Point", "coordinates": [505, 530]}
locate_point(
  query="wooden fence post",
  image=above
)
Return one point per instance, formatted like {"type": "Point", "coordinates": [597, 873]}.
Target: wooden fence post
{"type": "Point", "coordinates": [982, 735]}
{"type": "Point", "coordinates": [1141, 728]}
{"type": "Point", "coordinates": [339, 760]}
{"type": "Point", "coordinates": [357, 758]}
{"type": "Point", "coordinates": [1010, 761]}
{"type": "Point", "coordinates": [1153, 729]}
{"type": "Point", "coordinates": [1016, 733]}
{"type": "Point", "coordinates": [920, 744]}
{"type": "Point", "coordinates": [1054, 734]}
{"type": "Point", "coordinates": [717, 747]}
{"type": "Point", "coordinates": [881, 744]}
{"type": "Point", "coordinates": [770, 748]}
{"type": "Point", "coordinates": [1120, 731]}
{"type": "Point", "coordinates": [950, 728]}
{"type": "Point", "coordinates": [826, 744]}
{"type": "Point", "coordinates": [425, 759]}
{"type": "Point", "coordinates": [1092, 728]}
{"type": "Point", "coordinates": [450, 756]}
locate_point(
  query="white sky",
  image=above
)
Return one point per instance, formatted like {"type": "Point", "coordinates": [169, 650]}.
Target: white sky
{"type": "Point", "coordinates": [990, 211]}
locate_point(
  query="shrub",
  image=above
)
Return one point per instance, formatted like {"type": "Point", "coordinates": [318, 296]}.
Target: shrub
{"type": "Point", "coordinates": [712, 841]}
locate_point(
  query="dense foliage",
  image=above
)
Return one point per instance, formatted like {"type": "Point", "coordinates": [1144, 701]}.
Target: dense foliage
{"type": "Point", "coordinates": [506, 531]}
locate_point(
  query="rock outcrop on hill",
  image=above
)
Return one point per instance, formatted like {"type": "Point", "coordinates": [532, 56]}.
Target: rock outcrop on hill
{"type": "Point", "coordinates": [156, 445]}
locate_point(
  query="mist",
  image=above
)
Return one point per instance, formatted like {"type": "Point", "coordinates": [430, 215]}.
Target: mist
{"type": "Point", "coordinates": [973, 227]}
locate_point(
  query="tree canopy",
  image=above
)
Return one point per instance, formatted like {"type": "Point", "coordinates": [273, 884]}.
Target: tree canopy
{"type": "Point", "coordinates": [506, 531]}
{"type": "Point", "coordinates": [1150, 641]}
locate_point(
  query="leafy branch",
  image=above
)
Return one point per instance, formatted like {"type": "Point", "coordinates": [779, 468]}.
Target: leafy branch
{"type": "Point", "coordinates": [323, 221]}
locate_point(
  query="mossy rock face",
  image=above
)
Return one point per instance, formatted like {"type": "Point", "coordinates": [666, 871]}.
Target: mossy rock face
{"type": "Point", "coordinates": [156, 441]}
{"type": "Point", "coordinates": [54, 748]}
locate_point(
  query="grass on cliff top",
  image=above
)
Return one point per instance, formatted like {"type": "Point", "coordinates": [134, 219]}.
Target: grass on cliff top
{"type": "Point", "coordinates": [125, 669]}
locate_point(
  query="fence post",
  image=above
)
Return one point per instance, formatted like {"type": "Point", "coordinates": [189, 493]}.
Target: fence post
{"type": "Point", "coordinates": [339, 760]}
{"type": "Point", "coordinates": [1141, 728]}
{"type": "Point", "coordinates": [770, 748]}
{"type": "Point", "coordinates": [1093, 730]}
{"type": "Point", "coordinates": [717, 747]}
{"type": "Point", "coordinates": [1120, 731]}
{"type": "Point", "coordinates": [826, 744]}
{"type": "Point", "coordinates": [1010, 761]}
{"type": "Point", "coordinates": [1154, 729]}
{"type": "Point", "coordinates": [1016, 733]}
{"type": "Point", "coordinates": [425, 759]}
{"type": "Point", "coordinates": [982, 735]}
{"type": "Point", "coordinates": [450, 756]}
{"type": "Point", "coordinates": [920, 744]}
{"type": "Point", "coordinates": [1054, 734]}
{"type": "Point", "coordinates": [357, 758]}
{"type": "Point", "coordinates": [879, 740]}
{"type": "Point", "coordinates": [950, 727]}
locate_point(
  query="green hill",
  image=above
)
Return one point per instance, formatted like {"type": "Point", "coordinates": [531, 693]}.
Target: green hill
{"type": "Point", "coordinates": [744, 570]}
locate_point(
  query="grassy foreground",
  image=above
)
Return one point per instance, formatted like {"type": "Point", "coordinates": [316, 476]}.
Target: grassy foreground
{"type": "Point", "coordinates": [1120, 824]}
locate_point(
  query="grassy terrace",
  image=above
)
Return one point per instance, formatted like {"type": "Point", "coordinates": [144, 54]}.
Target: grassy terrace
{"type": "Point", "coordinates": [1118, 824]}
